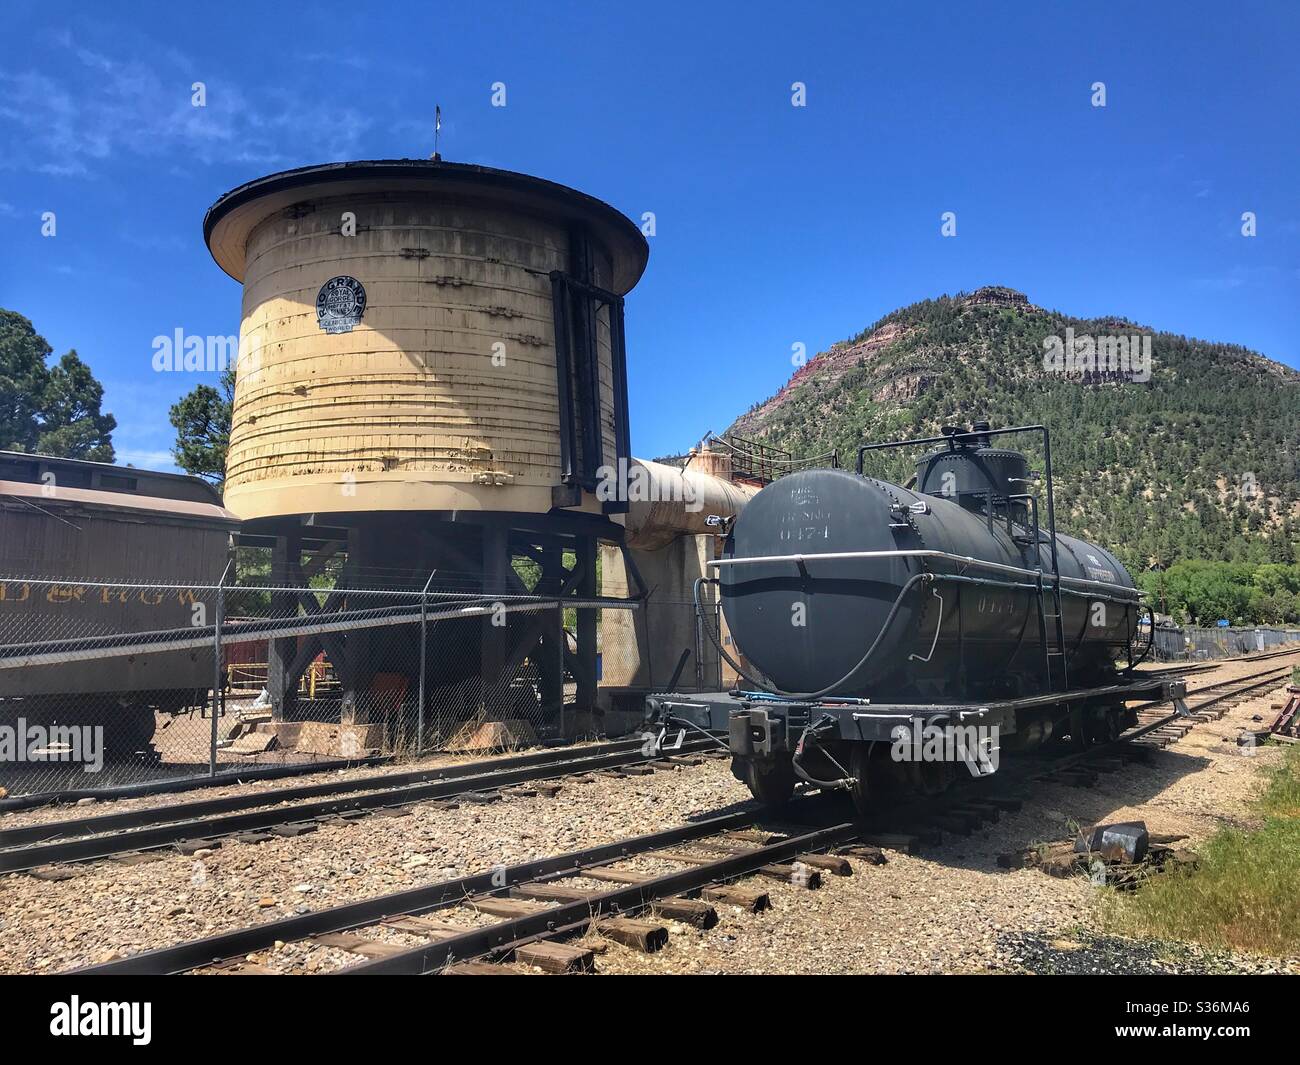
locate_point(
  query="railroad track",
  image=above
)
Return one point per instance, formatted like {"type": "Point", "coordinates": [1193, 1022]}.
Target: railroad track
{"type": "Point", "coordinates": [298, 810]}
{"type": "Point", "coordinates": [536, 908]}
{"type": "Point", "coordinates": [1200, 667]}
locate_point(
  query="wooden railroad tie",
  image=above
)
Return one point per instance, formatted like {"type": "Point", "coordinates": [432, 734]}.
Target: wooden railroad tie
{"type": "Point", "coordinates": [755, 900]}
{"type": "Point", "coordinates": [868, 854]}
{"type": "Point", "coordinates": [792, 874]}
{"type": "Point", "coordinates": [556, 957]}
{"type": "Point", "coordinates": [507, 908]}
{"type": "Point", "coordinates": [355, 944]}
{"type": "Point", "coordinates": [908, 843]}
{"type": "Point", "coordinates": [479, 968]}
{"type": "Point", "coordinates": [425, 926]}
{"type": "Point", "coordinates": [615, 876]}
{"type": "Point", "coordinates": [688, 911]}
{"type": "Point", "coordinates": [551, 892]}
{"type": "Point", "coordinates": [830, 863]}
{"type": "Point", "coordinates": [300, 828]}
{"type": "Point", "coordinates": [189, 846]}
{"type": "Point", "coordinates": [645, 936]}
{"type": "Point", "coordinates": [751, 835]}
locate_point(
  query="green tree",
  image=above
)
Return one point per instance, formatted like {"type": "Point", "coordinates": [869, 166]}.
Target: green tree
{"type": "Point", "coordinates": [202, 421]}
{"type": "Point", "coordinates": [50, 410]}
{"type": "Point", "coordinates": [22, 380]}
{"type": "Point", "coordinates": [72, 423]}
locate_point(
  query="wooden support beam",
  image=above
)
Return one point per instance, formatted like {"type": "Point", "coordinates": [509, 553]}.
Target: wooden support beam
{"type": "Point", "coordinates": [281, 681]}
{"type": "Point", "coordinates": [585, 571]}
{"type": "Point", "coordinates": [494, 637]}
{"type": "Point", "coordinates": [549, 656]}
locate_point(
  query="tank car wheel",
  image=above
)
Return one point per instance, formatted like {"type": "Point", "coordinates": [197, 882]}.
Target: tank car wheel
{"type": "Point", "coordinates": [135, 727]}
{"type": "Point", "coordinates": [1114, 724]}
{"type": "Point", "coordinates": [770, 782]}
{"type": "Point", "coordinates": [860, 767]}
{"type": "Point", "coordinates": [931, 778]}
{"type": "Point", "coordinates": [128, 730]}
{"type": "Point", "coordinates": [1101, 726]}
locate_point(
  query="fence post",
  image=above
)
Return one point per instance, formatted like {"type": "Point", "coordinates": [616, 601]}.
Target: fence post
{"type": "Point", "coordinates": [216, 669]}
{"type": "Point", "coordinates": [559, 606]}
{"type": "Point", "coordinates": [424, 644]}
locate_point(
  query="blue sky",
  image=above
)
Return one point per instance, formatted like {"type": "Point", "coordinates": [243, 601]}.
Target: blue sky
{"type": "Point", "coordinates": [776, 224]}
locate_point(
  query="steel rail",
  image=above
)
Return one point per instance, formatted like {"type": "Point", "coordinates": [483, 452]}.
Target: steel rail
{"type": "Point", "coordinates": [153, 837]}
{"type": "Point", "coordinates": [573, 916]}
{"type": "Point", "coordinates": [185, 956]}
{"type": "Point", "coordinates": [157, 815]}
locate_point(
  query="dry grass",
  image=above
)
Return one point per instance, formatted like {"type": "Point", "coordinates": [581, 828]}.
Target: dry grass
{"type": "Point", "coordinates": [1245, 893]}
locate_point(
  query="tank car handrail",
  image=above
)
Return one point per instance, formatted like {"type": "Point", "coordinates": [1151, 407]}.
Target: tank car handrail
{"type": "Point", "coordinates": [982, 432]}
{"type": "Point", "coordinates": [917, 553]}
{"type": "Point", "coordinates": [922, 441]}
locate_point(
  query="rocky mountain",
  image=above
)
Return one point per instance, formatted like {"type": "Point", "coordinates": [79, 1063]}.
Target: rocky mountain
{"type": "Point", "coordinates": [1164, 447]}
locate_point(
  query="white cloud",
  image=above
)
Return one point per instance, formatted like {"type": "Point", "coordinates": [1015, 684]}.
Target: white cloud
{"type": "Point", "coordinates": [65, 118]}
{"type": "Point", "coordinates": [145, 459]}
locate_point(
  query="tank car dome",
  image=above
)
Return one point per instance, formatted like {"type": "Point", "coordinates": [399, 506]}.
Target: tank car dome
{"type": "Point", "coordinates": [968, 469]}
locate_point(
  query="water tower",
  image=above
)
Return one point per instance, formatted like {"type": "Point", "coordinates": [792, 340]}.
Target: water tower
{"type": "Point", "coordinates": [432, 372]}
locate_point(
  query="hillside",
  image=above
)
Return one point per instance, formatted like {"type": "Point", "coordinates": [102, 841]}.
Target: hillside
{"type": "Point", "coordinates": [1153, 470]}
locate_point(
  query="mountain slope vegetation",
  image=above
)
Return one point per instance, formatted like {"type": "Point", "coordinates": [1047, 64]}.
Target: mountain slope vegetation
{"type": "Point", "coordinates": [1200, 461]}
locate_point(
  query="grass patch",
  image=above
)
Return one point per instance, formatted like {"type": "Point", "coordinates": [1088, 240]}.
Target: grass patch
{"type": "Point", "coordinates": [1245, 893]}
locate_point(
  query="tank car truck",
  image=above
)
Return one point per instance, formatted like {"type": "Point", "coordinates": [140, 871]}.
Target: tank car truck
{"type": "Point", "coordinates": [890, 637]}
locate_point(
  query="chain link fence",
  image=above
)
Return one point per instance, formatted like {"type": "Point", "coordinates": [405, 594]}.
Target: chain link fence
{"type": "Point", "coordinates": [116, 683]}
{"type": "Point", "coordinates": [1182, 644]}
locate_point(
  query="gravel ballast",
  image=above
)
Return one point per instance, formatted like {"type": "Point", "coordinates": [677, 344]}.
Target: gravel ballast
{"type": "Point", "coordinates": [950, 909]}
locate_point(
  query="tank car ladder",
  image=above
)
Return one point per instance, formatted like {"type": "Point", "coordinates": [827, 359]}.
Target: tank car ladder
{"type": "Point", "coordinates": [1049, 651]}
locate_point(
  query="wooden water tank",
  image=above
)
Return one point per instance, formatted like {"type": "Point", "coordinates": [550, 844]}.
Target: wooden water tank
{"type": "Point", "coordinates": [399, 340]}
